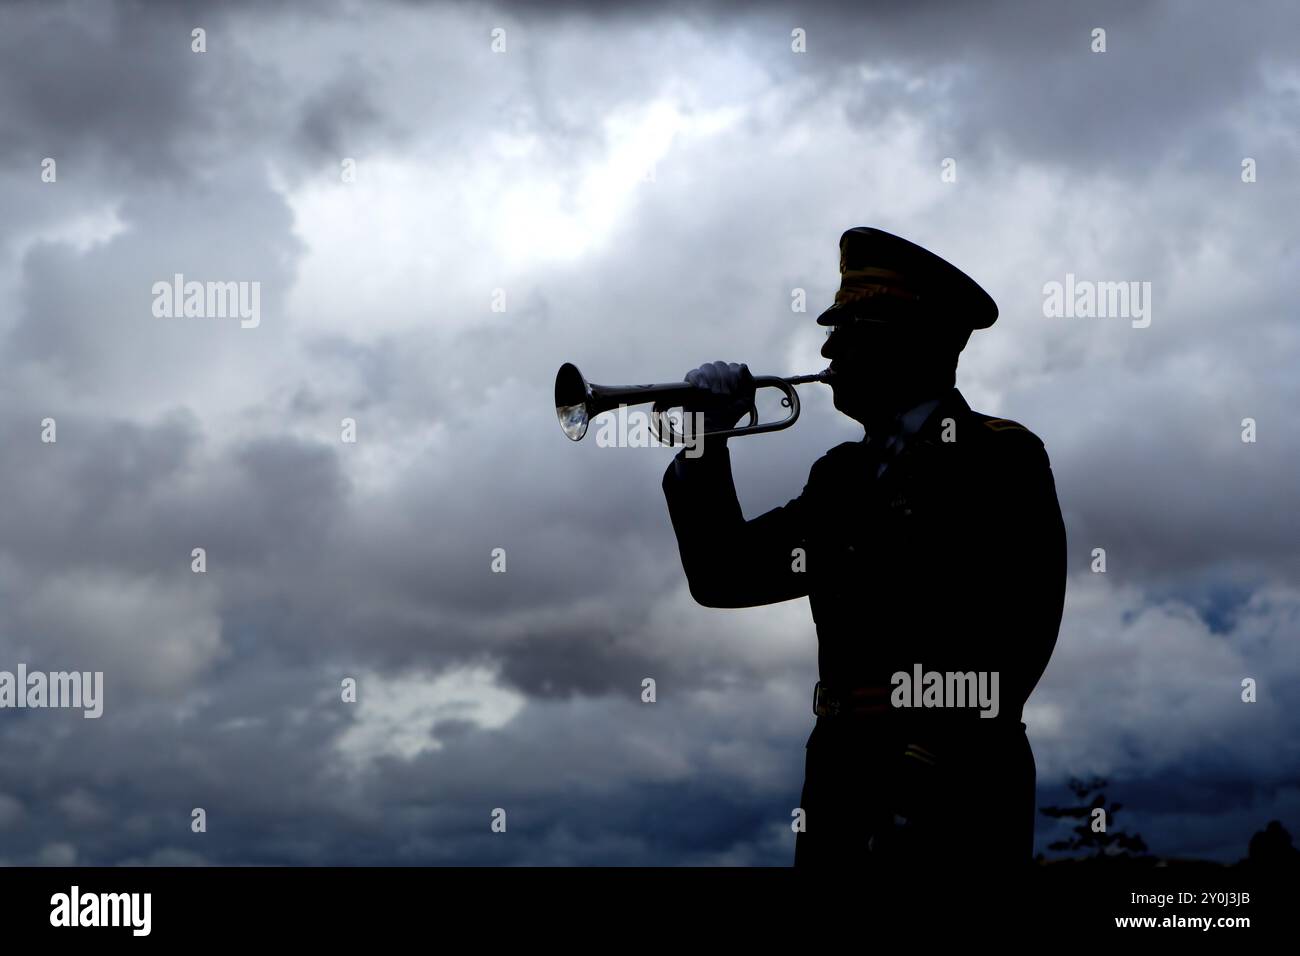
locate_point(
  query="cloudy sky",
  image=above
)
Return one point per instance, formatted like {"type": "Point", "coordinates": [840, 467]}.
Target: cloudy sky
{"type": "Point", "coordinates": [643, 191]}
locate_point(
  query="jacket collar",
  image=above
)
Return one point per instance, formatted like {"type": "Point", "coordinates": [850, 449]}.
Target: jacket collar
{"type": "Point", "coordinates": [949, 405]}
{"type": "Point", "coordinates": [952, 405]}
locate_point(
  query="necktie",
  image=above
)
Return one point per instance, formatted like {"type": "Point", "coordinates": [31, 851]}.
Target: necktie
{"type": "Point", "coordinates": [873, 455]}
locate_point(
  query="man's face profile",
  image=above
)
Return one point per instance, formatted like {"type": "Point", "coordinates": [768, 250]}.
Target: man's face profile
{"type": "Point", "coordinates": [879, 364]}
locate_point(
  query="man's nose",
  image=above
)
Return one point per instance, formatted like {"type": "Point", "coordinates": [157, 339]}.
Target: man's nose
{"type": "Point", "coordinates": [831, 347]}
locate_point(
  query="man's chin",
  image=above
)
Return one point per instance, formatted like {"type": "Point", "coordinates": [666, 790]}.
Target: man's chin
{"type": "Point", "coordinates": [857, 402]}
{"type": "Point", "coordinates": [851, 401]}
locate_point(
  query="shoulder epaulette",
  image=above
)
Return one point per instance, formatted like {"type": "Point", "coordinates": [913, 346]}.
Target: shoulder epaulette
{"type": "Point", "coordinates": [1008, 431]}
{"type": "Point", "coordinates": [1004, 424]}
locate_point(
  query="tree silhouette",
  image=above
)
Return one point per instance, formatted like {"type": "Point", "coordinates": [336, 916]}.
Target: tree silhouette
{"type": "Point", "coordinates": [1109, 843]}
{"type": "Point", "coordinates": [1271, 847]}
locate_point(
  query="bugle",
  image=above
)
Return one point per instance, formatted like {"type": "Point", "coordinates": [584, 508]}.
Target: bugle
{"type": "Point", "coordinates": [578, 401]}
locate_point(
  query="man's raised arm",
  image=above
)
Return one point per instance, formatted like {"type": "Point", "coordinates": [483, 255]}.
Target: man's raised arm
{"type": "Point", "coordinates": [731, 562]}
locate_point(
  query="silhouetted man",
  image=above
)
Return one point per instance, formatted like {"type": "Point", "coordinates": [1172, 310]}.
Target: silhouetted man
{"type": "Point", "coordinates": [932, 553]}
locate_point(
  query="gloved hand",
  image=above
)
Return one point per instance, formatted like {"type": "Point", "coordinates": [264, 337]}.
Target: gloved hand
{"type": "Point", "coordinates": [732, 386]}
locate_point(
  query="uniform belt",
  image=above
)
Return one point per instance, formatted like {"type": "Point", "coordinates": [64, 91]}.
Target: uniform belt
{"type": "Point", "coordinates": [872, 702]}
{"type": "Point", "coordinates": [867, 701]}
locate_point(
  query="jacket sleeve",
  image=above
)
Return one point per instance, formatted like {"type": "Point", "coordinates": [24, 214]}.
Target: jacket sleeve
{"type": "Point", "coordinates": [731, 562]}
{"type": "Point", "coordinates": [1026, 559]}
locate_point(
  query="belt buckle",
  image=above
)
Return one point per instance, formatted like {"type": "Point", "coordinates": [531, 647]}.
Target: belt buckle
{"type": "Point", "coordinates": [824, 705]}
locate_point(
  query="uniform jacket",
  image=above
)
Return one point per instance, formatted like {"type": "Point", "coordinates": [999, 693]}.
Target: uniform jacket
{"type": "Point", "coordinates": [953, 559]}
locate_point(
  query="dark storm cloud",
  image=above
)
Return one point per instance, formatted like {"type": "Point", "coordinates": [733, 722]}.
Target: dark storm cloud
{"type": "Point", "coordinates": [1017, 77]}
{"type": "Point", "coordinates": [1024, 78]}
{"type": "Point", "coordinates": [372, 560]}
{"type": "Point", "coordinates": [115, 83]}
{"type": "Point", "coordinates": [330, 117]}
